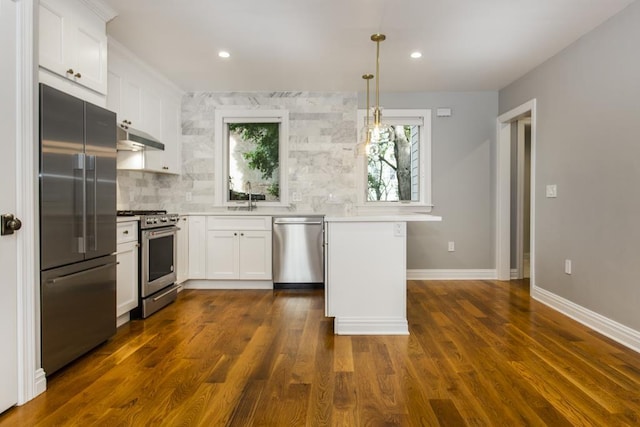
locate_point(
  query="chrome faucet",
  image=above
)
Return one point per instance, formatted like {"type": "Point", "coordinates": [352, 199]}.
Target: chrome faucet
{"type": "Point", "coordinates": [251, 206]}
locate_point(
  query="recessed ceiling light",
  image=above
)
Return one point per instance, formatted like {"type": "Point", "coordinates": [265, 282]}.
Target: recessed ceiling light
{"type": "Point", "coordinates": [224, 54]}
{"type": "Point", "coordinates": [416, 55]}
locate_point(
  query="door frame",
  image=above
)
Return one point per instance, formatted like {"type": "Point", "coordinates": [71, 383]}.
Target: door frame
{"type": "Point", "coordinates": [31, 378]}
{"type": "Point", "coordinates": [503, 190]}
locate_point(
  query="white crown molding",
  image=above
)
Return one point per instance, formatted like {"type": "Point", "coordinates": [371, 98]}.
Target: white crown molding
{"type": "Point", "coordinates": [452, 274]}
{"type": "Point", "coordinates": [610, 328]}
{"type": "Point", "coordinates": [370, 326]}
{"type": "Point", "coordinates": [100, 8]}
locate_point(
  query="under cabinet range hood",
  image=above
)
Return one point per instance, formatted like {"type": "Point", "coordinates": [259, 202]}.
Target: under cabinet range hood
{"type": "Point", "coordinates": [135, 140]}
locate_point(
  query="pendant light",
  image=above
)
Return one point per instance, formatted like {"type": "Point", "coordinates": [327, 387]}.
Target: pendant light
{"type": "Point", "coordinates": [379, 131]}
{"type": "Point", "coordinates": [363, 145]}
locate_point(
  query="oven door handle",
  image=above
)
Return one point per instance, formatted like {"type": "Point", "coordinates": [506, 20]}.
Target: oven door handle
{"type": "Point", "coordinates": [163, 232]}
{"type": "Point", "coordinates": [164, 294]}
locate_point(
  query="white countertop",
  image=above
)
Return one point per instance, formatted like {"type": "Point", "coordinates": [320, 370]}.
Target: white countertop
{"type": "Point", "coordinates": [330, 217]}
{"type": "Point", "coordinates": [127, 218]}
{"type": "Point", "coordinates": [252, 213]}
{"type": "Point", "coordinates": [397, 217]}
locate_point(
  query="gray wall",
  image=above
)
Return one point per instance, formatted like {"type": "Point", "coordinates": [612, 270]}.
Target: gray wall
{"type": "Point", "coordinates": [321, 161]}
{"type": "Point", "coordinates": [588, 127]}
{"type": "Point", "coordinates": [463, 158]}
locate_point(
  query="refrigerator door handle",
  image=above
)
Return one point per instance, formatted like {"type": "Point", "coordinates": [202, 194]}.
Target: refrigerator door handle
{"type": "Point", "coordinates": [80, 273]}
{"type": "Point", "coordinates": [92, 165]}
{"type": "Point", "coordinates": [79, 164]}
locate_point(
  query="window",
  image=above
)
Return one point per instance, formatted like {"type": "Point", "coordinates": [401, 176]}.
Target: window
{"type": "Point", "coordinates": [251, 154]}
{"type": "Point", "coordinates": [397, 169]}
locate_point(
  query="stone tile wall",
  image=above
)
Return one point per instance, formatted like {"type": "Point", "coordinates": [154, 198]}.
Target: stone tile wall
{"type": "Point", "coordinates": [322, 136]}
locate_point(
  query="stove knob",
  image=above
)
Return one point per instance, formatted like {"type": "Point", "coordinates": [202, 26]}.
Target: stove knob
{"type": "Point", "coordinates": [164, 219]}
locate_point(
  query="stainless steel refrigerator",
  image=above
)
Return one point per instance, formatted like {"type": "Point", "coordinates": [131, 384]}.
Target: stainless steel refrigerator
{"type": "Point", "coordinates": [77, 226]}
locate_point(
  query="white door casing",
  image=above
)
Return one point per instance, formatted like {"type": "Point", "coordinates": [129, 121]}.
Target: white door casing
{"type": "Point", "coordinates": [19, 71]}
{"type": "Point", "coordinates": [503, 191]}
{"type": "Point", "coordinates": [8, 205]}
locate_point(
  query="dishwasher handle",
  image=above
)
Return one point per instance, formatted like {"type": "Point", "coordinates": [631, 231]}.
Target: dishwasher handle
{"type": "Point", "coordinates": [297, 221]}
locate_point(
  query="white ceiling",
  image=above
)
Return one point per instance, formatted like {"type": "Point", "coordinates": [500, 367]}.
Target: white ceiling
{"type": "Point", "coordinates": [324, 45]}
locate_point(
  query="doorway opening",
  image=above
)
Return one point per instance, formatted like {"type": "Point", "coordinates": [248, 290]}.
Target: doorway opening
{"type": "Point", "coordinates": [514, 177]}
{"type": "Point", "coordinates": [521, 198]}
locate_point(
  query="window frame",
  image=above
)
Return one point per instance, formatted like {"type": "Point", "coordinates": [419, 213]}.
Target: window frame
{"type": "Point", "coordinates": [221, 140]}
{"type": "Point", "coordinates": [420, 117]}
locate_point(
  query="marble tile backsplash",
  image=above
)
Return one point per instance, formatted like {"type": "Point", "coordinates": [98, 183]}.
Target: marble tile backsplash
{"type": "Point", "coordinates": [322, 136]}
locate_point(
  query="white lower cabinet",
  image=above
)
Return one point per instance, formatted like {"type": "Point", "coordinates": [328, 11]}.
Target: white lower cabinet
{"type": "Point", "coordinates": [197, 247]}
{"type": "Point", "coordinates": [240, 254]}
{"type": "Point", "coordinates": [230, 248]}
{"type": "Point", "coordinates": [366, 289]}
{"type": "Point", "coordinates": [183, 249]}
{"type": "Point", "coordinates": [127, 269]}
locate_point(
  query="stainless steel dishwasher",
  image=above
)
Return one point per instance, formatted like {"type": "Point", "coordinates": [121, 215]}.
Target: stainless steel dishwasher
{"type": "Point", "coordinates": [298, 256]}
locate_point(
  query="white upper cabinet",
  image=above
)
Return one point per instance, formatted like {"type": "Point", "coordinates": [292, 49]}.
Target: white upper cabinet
{"type": "Point", "coordinates": [145, 101]}
{"type": "Point", "coordinates": [172, 133]}
{"type": "Point", "coordinates": [73, 45]}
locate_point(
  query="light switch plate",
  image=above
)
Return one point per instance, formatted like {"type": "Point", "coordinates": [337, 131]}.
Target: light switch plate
{"type": "Point", "coordinates": [552, 191]}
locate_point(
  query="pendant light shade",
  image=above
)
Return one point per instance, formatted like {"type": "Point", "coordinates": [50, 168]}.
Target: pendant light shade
{"type": "Point", "coordinates": [365, 134]}
{"type": "Point", "coordinates": [377, 131]}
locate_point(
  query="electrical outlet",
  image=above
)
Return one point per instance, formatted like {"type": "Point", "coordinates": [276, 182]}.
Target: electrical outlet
{"type": "Point", "coordinates": [296, 197]}
{"type": "Point", "coordinates": [451, 246]}
{"type": "Point", "coordinates": [398, 229]}
{"type": "Point", "coordinates": [552, 191]}
{"type": "Point", "coordinates": [567, 266]}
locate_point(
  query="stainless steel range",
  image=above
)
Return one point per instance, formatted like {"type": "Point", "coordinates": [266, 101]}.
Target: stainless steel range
{"type": "Point", "coordinates": [158, 239]}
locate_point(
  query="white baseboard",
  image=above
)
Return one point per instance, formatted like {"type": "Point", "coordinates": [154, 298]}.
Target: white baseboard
{"type": "Point", "coordinates": [227, 284]}
{"type": "Point", "coordinates": [610, 328]}
{"type": "Point", "coordinates": [41, 382]}
{"type": "Point", "coordinates": [121, 320]}
{"type": "Point", "coordinates": [453, 274]}
{"type": "Point", "coordinates": [370, 326]}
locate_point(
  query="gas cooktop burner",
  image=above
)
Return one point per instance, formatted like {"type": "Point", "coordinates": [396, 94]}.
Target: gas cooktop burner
{"type": "Point", "coordinates": [140, 212]}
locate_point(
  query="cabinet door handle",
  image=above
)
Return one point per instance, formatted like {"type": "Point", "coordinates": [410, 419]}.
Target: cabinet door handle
{"type": "Point", "coordinates": [70, 71]}
{"type": "Point", "coordinates": [242, 234]}
{"type": "Point", "coordinates": [165, 167]}
{"type": "Point", "coordinates": [78, 75]}
{"type": "Point", "coordinates": [125, 232]}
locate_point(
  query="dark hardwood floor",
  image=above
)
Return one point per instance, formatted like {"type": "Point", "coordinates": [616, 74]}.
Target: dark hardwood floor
{"type": "Point", "coordinates": [480, 353]}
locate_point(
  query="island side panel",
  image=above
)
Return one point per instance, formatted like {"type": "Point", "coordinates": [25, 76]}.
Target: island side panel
{"type": "Point", "coordinates": [367, 277]}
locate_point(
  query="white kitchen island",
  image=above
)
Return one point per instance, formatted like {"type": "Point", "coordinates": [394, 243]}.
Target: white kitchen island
{"type": "Point", "coordinates": [366, 273]}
